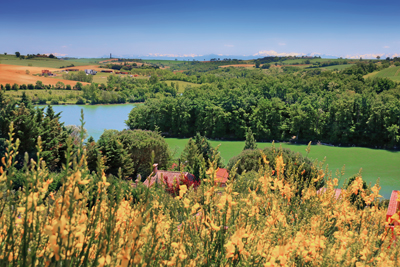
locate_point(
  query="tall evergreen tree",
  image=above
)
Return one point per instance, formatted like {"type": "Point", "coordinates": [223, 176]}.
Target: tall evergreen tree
{"type": "Point", "coordinates": [250, 142]}
{"type": "Point", "coordinates": [193, 160]}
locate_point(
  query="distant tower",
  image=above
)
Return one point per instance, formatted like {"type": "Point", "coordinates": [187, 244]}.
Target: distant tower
{"type": "Point", "coordinates": [110, 55]}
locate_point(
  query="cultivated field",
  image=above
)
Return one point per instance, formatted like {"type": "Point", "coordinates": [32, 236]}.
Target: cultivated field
{"type": "Point", "coordinates": [375, 163]}
{"type": "Point", "coordinates": [45, 62]}
{"type": "Point", "coordinates": [338, 67]}
{"type": "Point", "coordinates": [392, 73]}
{"type": "Point", "coordinates": [315, 60]}
{"type": "Point", "coordinates": [238, 66]}
{"type": "Point", "coordinates": [17, 74]}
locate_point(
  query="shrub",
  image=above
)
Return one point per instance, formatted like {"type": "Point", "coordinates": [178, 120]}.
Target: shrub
{"type": "Point", "coordinates": [297, 168]}
{"type": "Point", "coordinates": [122, 222]}
{"type": "Point", "coordinates": [42, 101]}
{"type": "Point", "coordinates": [80, 101]}
{"type": "Point", "coordinates": [175, 187]}
{"type": "Point", "coordinates": [54, 102]}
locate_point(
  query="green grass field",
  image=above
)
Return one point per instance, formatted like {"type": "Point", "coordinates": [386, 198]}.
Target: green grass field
{"type": "Point", "coordinates": [338, 67]}
{"type": "Point", "coordinates": [183, 85]}
{"type": "Point", "coordinates": [314, 60]}
{"type": "Point", "coordinates": [101, 77]}
{"type": "Point", "coordinates": [62, 96]}
{"type": "Point", "coordinates": [47, 62]}
{"type": "Point", "coordinates": [392, 73]}
{"type": "Point", "coordinates": [375, 163]}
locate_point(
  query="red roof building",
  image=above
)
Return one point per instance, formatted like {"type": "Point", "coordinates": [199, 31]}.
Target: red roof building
{"type": "Point", "coordinates": [222, 176]}
{"type": "Point", "coordinates": [393, 207]}
{"type": "Point", "coordinates": [169, 176]}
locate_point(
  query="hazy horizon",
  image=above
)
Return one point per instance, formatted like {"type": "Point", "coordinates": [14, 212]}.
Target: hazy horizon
{"type": "Point", "coordinates": [182, 29]}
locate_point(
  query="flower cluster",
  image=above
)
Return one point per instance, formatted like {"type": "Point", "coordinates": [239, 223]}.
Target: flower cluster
{"type": "Point", "coordinates": [87, 223]}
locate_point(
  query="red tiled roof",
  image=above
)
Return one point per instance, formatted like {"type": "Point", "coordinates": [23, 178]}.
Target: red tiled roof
{"type": "Point", "coordinates": [169, 175]}
{"type": "Point", "coordinates": [222, 175]}
{"type": "Point", "coordinates": [393, 206]}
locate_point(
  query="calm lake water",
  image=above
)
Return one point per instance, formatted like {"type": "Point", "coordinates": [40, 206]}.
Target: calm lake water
{"type": "Point", "coordinates": [97, 118]}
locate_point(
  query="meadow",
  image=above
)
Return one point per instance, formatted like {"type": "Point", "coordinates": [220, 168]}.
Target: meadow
{"type": "Point", "coordinates": [315, 60]}
{"type": "Point", "coordinates": [182, 85]}
{"type": "Point", "coordinates": [62, 96]}
{"type": "Point", "coordinates": [375, 163]}
{"type": "Point", "coordinates": [44, 62]}
{"type": "Point", "coordinates": [392, 73]}
{"type": "Point", "coordinates": [338, 67]}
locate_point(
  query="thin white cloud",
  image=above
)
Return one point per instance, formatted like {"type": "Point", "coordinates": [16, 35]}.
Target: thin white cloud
{"type": "Point", "coordinates": [173, 55]}
{"type": "Point", "coordinates": [386, 46]}
{"type": "Point", "coordinates": [274, 53]}
{"type": "Point", "coordinates": [56, 54]}
{"type": "Point", "coordinates": [281, 44]}
{"type": "Point", "coordinates": [64, 46]}
{"type": "Point", "coordinates": [372, 55]}
{"type": "Point", "coordinates": [229, 45]}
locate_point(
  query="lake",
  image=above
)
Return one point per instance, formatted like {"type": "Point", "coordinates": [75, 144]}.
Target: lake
{"type": "Point", "coordinates": [97, 117]}
{"type": "Point", "coordinates": [375, 163]}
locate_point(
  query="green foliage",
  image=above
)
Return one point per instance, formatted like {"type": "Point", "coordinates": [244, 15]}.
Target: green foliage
{"type": "Point", "coordinates": [300, 169]}
{"type": "Point", "coordinates": [250, 142]}
{"type": "Point", "coordinates": [131, 151]}
{"type": "Point", "coordinates": [193, 160]}
{"type": "Point", "coordinates": [29, 123]}
{"type": "Point", "coordinates": [312, 105]}
{"type": "Point", "coordinates": [78, 76]}
{"type": "Point", "coordinates": [356, 198]}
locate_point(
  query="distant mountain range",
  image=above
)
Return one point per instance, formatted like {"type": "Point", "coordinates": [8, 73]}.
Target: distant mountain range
{"type": "Point", "coordinates": [259, 54]}
{"type": "Point", "coordinates": [205, 57]}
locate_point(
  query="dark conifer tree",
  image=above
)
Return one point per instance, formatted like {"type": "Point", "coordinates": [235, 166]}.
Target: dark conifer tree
{"type": "Point", "coordinates": [250, 142]}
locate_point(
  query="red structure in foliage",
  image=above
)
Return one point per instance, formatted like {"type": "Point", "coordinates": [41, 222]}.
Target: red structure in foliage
{"type": "Point", "coordinates": [46, 72]}
{"type": "Point", "coordinates": [222, 177]}
{"type": "Point", "coordinates": [171, 180]}
{"type": "Point", "coordinates": [393, 207]}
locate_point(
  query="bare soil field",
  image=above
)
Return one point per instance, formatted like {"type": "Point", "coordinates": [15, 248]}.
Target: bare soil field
{"type": "Point", "coordinates": [238, 66]}
{"type": "Point", "coordinates": [17, 74]}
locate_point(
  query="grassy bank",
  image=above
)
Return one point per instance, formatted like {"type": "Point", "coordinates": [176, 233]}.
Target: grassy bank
{"type": "Point", "coordinates": [375, 163]}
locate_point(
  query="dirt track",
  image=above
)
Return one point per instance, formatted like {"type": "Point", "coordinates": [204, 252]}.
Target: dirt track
{"type": "Point", "coordinates": [17, 74]}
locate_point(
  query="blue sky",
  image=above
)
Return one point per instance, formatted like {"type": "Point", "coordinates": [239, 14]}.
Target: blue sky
{"type": "Point", "coordinates": [188, 28]}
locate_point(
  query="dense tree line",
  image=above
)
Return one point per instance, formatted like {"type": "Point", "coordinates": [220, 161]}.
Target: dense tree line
{"type": "Point", "coordinates": [124, 154]}
{"type": "Point", "coordinates": [29, 123]}
{"type": "Point", "coordinates": [335, 107]}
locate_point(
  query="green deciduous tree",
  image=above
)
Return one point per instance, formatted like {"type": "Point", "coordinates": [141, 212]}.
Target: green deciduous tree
{"type": "Point", "coordinates": [131, 150]}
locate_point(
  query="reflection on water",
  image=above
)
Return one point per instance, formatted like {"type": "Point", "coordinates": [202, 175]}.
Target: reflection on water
{"type": "Point", "coordinates": [97, 118]}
